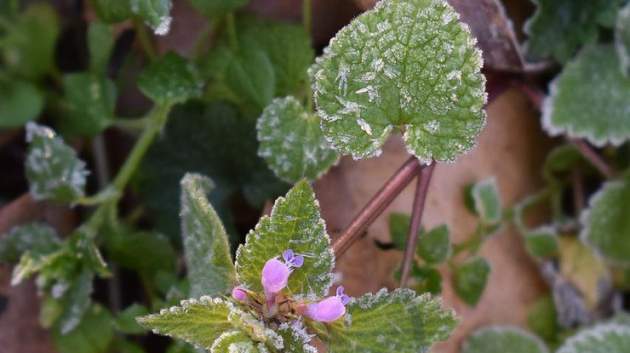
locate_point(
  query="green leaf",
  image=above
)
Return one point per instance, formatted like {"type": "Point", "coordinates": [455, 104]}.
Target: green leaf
{"type": "Point", "coordinates": [398, 321]}
{"type": "Point", "coordinates": [36, 238]}
{"type": "Point", "coordinates": [20, 102]}
{"type": "Point", "coordinates": [542, 242]}
{"type": "Point", "coordinates": [29, 46]}
{"type": "Point", "coordinates": [255, 328]}
{"type": "Point", "coordinates": [291, 141]}
{"type": "Point", "coordinates": [486, 200]}
{"type": "Point", "coordinates": [426, 280]}
{"type": "Point", "coordinates": [100, 44]}
{"type": "Point", "coordinates": [501, 339]}
{"type": "Point", "coordinates": [542, 319]}
{"type": "Point", "coordinates": [622, 38]}
{"type": "Point", "coordinates": [155, 13]}
{"type": "Point", "coordinates": [145, 252]}
{"type": "Point", "coordinates": [76, 300]}
{"type": "Point", "coordinates": [562, 159]}
{"type": "Point", "coordinates": [210, 268]}
{"type": "Point", "coordinates": [398, 229]}
{"type": "Point", "coordinates": [434, 247]}
{"type": "Point", "coordinates": [52, 168]}
{"type": "Point", "coordinates": [407, 64]}
{"type": "Point", "coordinates": [170, 79]}
{"type": "Point", "coordinates": [251, 75]}
{"type": "Point", "coordinates": [93, 335]}
{"type": "Point", "coordinates": [559, 28]}
{"type": "Point", "coordinates": [605, 225]}
{"type": "Point", "coordinates": [590, 98]}
{"type": "Point", "coordinates": [199, 322]}
{"type": "Point", "coordinates": [125, 321]}
{"type": "Point", "coordinates": [91, 100]}
{"type": "Point", "coordinates": [112, 11]}
{"type": "Point", "coordinates": [295, 223]}
{"type": "Point", "coordinates": [295, 338]}
{"type": "Point", "coordinates": [608, 338]}
{"type": "Point", "coordinates": [234, 341]}
{"type": "Point", "coordinates": [217, 8]}
{"type": "Point", "coordinates": [470, 279]}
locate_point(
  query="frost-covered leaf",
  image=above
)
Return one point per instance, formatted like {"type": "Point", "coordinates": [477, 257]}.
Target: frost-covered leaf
{"type": "Point", "coordinates": [590, 99]}
{"type": "Point", "coordinates": [434, 246]}
{"type": "Point", "coordinates": [398, 321]}
{"type": "Point", "coordinates": [295, 223]}
{"type": "Point", "coordinates": [217, 8]}
{"type": "Point", "coordinates": [170, 79]}
{"type": "Point", "coordinates": [20, 102]}
{"type": "Point", "coordinates": [255, 329]}
{"type": "Point", "coordinates": [603, 338]}
{"type": "Point", "coordinates": [76, 300]}
{"type": "Point", "coordinates": [622, 38]}
{"type": "Point", "coordinates": [295, 338]}
{"type": "Point", "coordinates": [291, 141]}
{"type": "Point", "coordinates": [408, 64]}
{"type": "Point", "coordinates": [486, 200]}
{"type": "Point", "coordinates": [29, 45]}
{"type": "Point", "coordinates": [199, 322]}
{"type": "Point", "coordinates": [542, 241]}
{"type": "Point", "coordinates": [234, 341]}
{"type": "Point", "coordinates": [36, 238]}
{"type": "Point", "coordinates": [503, 339]}
{"type": "Point", "coordinates": [93, 335]}
{"type": "Point", "coordinates": [470, 279]}
{"type": "Point", "coordinates": [90, 103]}
{"type": "Point", "coordinates": [100, 44]}
{"type": "Point", "coordinates": [112, 11]}
{"type": "Point", "coordinates": [155, 13]}
{"type": "Point", "coordinates": [559, 28]}
{"type": "Point", "coordinates": [209, 263]}
{"type": "Point", "coordinates": [605, 223]}
{"type": "Point", "coordinates": [52, 168]}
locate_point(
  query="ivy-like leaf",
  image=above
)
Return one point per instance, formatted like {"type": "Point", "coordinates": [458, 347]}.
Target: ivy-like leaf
{"type": "Point", "coordinates": [398, 321]}
{"type": "Point", "coordinates": [20, 102]}
{"type": "Point", "coordinates": [295, 223]}
{"type": "Point", "coordinates": [608, 338]}
{"type": "Point", "coordinates": [605, 223]}
{"type": "Point", "coordinates": [199, 322]}
{"type": "Point", "coordinates": [93, 335]}
{"type": "Point", "coordinates": [559, 28]}
{"type": "Point", "coordinates": [407, 64]}
{"type": "Point", "coordinates": [217, 8]}
{"type": "Point", "coordinates": [590, 99]}
{"type": "Point", "coordinates": [470, 279]}
{"type": "Point", "coordinates": [486, 201]}
{"type": "Point", "coordinates": [210, 267]}
{"type": "Point", "coordinates": [434, 246]}
{"type": "Point", "coordinates": [501, 339]}
{"type": "Point", "coordinates": [52, 168]}
{"type": "Point", "coordinates": [155, 13]}
{"type": "Point", "coordinates": [35, 238]}
{"type": "Point", "coordinates": [100, 45]}
{"type": "Point", "coordinates": [622, 38]}
{"type": "Point", "coordinates": [291, 141]}
{"type": "Point", "coordinates": [170, 79]}
{"type": "Point", "coordinates": [90, 101]}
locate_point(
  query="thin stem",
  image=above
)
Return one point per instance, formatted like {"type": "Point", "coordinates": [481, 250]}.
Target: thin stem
{"type": "Point", "coordinates": [231, 29]}
{"type": "Point", "coordinates": [131, 124]}
{"type": "Point", "coordinates": [595, 159]}
{"type": "Point", "coordinates": [145, 39]}
{"type": "Point", "coordinates": [307, 18]}
{"type": "Point", "coordinates": [422, 187]}
{"type": "Point", "coordinates": [578, 191]}
{"type": "Point", "coordinates": [383, 198]}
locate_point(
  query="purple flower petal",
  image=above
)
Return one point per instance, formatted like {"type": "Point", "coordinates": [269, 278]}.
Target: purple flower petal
{"type": "Point", "coordinates": [327, 310]}
{"type": "Point", "coordinates": [239, 294]}
{"type": "Point", "coordinates": [275, 276]}
{"type": "Point", "coordinates": [297, 261]}
{"type": "Point", "coordinates": [344, 298]}
{"type": "Point", "coordinates": [288, 255]}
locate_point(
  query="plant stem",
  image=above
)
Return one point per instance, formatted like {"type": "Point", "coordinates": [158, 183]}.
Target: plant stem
{"type": "Point", "coordinates": [145, 39]}
{"type": "Point", "coordinates": [422, 187]}
{"type": "Point", "coordinates": [383, 198]}
{"type": "Point", "coordinates": [595, 159]}
{"type": "Point", "coordinates": [307, 18]}
{"type": "Point", "coordinates": [231, 29]}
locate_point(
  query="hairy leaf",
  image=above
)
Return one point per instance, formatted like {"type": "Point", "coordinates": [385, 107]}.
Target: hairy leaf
{"type": "Point", "coordinates": [590, 99]}
{"type": "Point", "coordinates": [291, 141]}
{"type": "Point", "coordinates": [470, 279]}
{"type": "Point", "coordinates": [210, 268]}
{"type": "Point", "coordinates": [90, 103]}
{"type": "Point", "coordinates": [487, 203]}
{"type": "Point", "coordinates": [20, 102]}
{"type": "Point", "coordinates": [170, 79]}
{"type": "Point", "coordinates": [36, 238]}
{"type": "Point", "coordinates": [603, 338]}
{"type": "Point", "coordinates": [93, 335]}
{"type": "Point", "coordinates": [502, 339]}
{"type": "Point", "coordinates": [295, 337]}
{"type": "Point", "coordinates": [407, 64]}
{"type": "Point", "coordinates": [295, 223]}
{"type": "Point", "coordinates": [398, 321]}
{"type": "Point", "coordinates": [155, 13]}
{"type": "Point", "coordinates": [75, 299]}
{"type": "Point", "coordinates": [52, 168]}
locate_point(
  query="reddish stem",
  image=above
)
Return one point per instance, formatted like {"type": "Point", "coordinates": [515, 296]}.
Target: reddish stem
{"type": "Point", "coordinates": [422, 187]}
{"type": "Point", "coordinates": [383, 198]}
{"type": "Point", "coordinates": [594, 158]}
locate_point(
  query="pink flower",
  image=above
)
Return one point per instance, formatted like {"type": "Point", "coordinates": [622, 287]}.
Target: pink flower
{"type": "Point", "coordinates": [275, 273]}
{"type": "Point", "coordinates": [329, 309]}
{"type": "Point", "coordinates": [239, 294]}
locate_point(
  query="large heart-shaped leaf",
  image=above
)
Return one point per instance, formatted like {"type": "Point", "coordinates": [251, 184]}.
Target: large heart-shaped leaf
{"type": "Point", "coordinates": [502, 339]}
{"type": "Point", "coordinates": [407, 64]}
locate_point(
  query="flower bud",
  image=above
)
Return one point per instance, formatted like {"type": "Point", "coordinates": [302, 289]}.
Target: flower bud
{"type": "Point", "coordinates": [239, 294]}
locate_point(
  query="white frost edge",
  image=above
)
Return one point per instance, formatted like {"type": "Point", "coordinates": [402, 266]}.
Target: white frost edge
{"type": "Point", "coordinates": [542, 347]}
{"type": "Point", "coordinates": [620, 46]}
{"type": "Point", "coordinates": [597, 332]}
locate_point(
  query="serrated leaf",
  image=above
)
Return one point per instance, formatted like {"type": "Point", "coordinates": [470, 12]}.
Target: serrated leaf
{"type": "Point", "coordinates": [20, 102]}
{"type": "Point", "coordinates": [125, 321]}
{"type": "Point", "coordinates": [407, 64]}
{"type": "Point", "coordinates": [100, 45]}
{"type": "Point", "coordinates": [590, 98]}
{"type": "Point", "coordinates": [295, 223]}
{"type": "Point", "coordinates": [91, 100]}
{"type": "Point", "coordinates": [605, 225]}
{"type": "Point", "coordinates": [36, 238]}
{"type": "Point", "coordinates": [93, 335]}
{"type": "Point", "coordinates": [199, 322]}
{"type": "Point", "coordinates": [155, 13]}
{"type": "Point", "coordinates": [541, 242]}
{"type": "Point", "coordinates": [622, 38]}
{"type": "Point", "coordinates": [605, 338]}
{"type": "Point", "coordinates": [76, 301]}
{"type": "Point", "coordinates": [291, 141]}
{"type": "Point", "coordinates": [170, 79]}
{"type": "Point", "coordinates": [255, 329]}
{"type": "Point", "coordinates": [217, 8]}
{"type": "Point", "coordinates": [29, 46]}
{"type": "Point", "coordinates": [470, 279]}
{"type": "Point", "coordinates": [207, 249]}
{"type": "Point", "coordinates": [295, 338]}
{"type": "Point", "coordinates": [486, 201]}
{"type": "Point", "coordinates": [398, 321]}
{"type": "Point", "coordinates": [112, 11]}
{"type": "Point", "coordinates": [52, 168]}
{"type": "Point", "coordinates": [233, 341]}
{"type": "Point", "coordinates": [559, 28]}
{"type": "Point", "coordinates": [501, 339]}
{"type": "Point", "coordinates": [434, 246]}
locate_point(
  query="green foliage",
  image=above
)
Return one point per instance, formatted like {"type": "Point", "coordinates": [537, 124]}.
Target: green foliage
{"type": "Point", "coordinates": [622, 38]}
{"type": "Point", "coordinates": [171, 79]}
{"type": "Point", "coordinates": [542, 242]}
{"type": "Point", "coordinates": [434, 246]}
{"type": "Point", "coordinates": [470, 279]}
{"type": "Point", "coordinates": [123, 246]}
{"type": "Point", "coordinates": [542, 319]}
{"type": "Point", "coordinates": [398, 228]}
{"type": "Point", "coordinates": [590, 86]}
{"type": "Point", "coordinates": [560, 27]}
{"type": "Point", "coordinates": [407, 64]}
{"type": "Point", "coordinates": [100, 45]}
{"type": "Point", "coordinates": [609, 338]}
{"type": "Point", "coordinates": [35, 238]}
{"type": "Point", "coordinates": [112, 11]}
{"type": "Point", "coordinates": [20, 102]}
{"type": "Point", "coordinates": [206, 245]}
{"type": "Point", "coordinates": [295, 223]}
{"type": "Point", "coordinates": [486, 201]}
{"type": "Point", "coordinates": [52, 168]}
{"type": "Point", "coordinates": [155, 13]}
{"type": "Point", "coordinates": [93, 335]}
{"type": "Point", "coordinates": [396, 321]}
{"type": "Point", "coordinates": [125, 321]}
{"type": "Point", "coordinates": [425, 279]}
{"type": "Point", "coordinates": [90, 103]}
{"type": "Point", "coordinates": [291, 141]}
{"type": "Point", "coordinates": [217, 8]}
{"type": "Point", "coordinates": [501, 339]}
